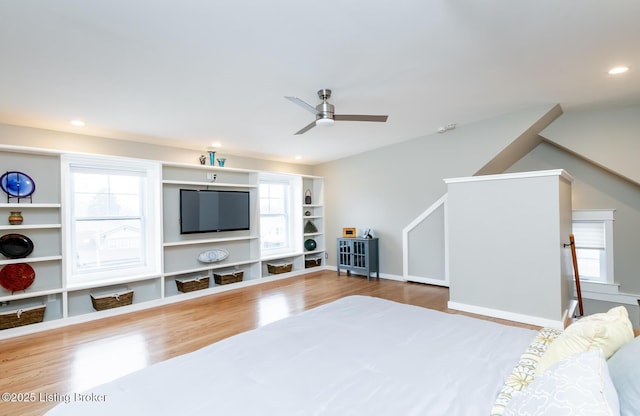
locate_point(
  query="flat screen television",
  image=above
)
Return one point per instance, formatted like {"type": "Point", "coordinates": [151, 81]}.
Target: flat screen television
{"type": "Point", "coordinates": [203, 211]}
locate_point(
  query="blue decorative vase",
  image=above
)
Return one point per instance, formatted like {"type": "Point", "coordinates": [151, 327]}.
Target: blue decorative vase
{"type": "Point", "coordinates": [212, 158]}
{"type": "Point", "coordinates": [221, 161]}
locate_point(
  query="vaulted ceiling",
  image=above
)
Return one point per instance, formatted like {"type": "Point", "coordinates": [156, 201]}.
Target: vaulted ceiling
{"type": "Point", "coordinates": [192, 72]}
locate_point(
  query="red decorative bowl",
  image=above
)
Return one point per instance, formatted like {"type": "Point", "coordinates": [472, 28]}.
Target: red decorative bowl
{"type": "Point", "coordinates": [18, 276]}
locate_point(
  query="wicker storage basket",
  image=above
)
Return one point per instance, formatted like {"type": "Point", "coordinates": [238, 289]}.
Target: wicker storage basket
{"type": "Point", "coordinates": [20, 317]}
{"type": "Point", "coordinates": [223, 279]}
{"type": "Point", "coordinates": [114, 300]}
{"type": "Point", "coordinates": [313, 262]}
{"type": "Point", "coordinates": [279, 268]}
{"type": "Point", "coordinates": [189, 285]}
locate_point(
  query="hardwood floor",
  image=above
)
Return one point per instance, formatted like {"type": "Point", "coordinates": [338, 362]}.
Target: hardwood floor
{"type": "Point", "coordinates": [78, 357]}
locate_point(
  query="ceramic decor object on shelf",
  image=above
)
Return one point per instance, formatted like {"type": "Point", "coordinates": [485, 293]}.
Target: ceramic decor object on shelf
{"type": "Point", "coordinates": [212, 256]}
{"type": "Point", "coordinates": [17, 276]}
{"type": "Point", "coordinates": [15, 246]}
{"type": "Point", "coordinates": [17, 184]}
{"type": "Point", "coordinates": [310, 228]}
{"type": "Point", "coordinates": [310, 244]}
{"type": "Point", "coordinates": [15, 218]}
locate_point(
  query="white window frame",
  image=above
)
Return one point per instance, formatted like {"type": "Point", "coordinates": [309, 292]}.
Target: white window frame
{"type": "Point", "coordinates": [606, 218]}
{"type": "Point", "coordinates": [293, 213]}
{"type": "Point", "coordinates": [151, 213]}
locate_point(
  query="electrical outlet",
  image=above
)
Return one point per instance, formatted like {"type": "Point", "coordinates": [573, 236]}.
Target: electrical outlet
{"type": "Point", "coordinates": [212, 176]}
{"type": "Point", "coordinates": [326, 256]}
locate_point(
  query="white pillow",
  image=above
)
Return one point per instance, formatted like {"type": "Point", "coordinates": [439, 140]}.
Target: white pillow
{"type": "Point", "coordinates": [606, 331]}
{"type": "Point", "coordinates": [624, 368]}
{"type": "Point", "coordinates": [578, 385]}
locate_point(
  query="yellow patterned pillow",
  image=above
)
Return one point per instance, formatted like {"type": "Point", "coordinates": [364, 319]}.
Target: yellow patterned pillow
{"type": "Point", "coordinates": [524, 372]}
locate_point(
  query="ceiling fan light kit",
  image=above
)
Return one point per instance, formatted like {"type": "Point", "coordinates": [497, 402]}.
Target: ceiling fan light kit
{"type": "Point", "coordinates": [324, 122]}
{"type": "Point", "coordinates": [325, 112]}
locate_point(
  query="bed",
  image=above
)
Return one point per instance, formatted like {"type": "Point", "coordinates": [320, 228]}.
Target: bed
{"type": "Point", "coordinates": [358, 355]}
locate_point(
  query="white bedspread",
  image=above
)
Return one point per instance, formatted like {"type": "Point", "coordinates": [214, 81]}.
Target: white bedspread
{"type": "Point", "coordinates": [356, 356]}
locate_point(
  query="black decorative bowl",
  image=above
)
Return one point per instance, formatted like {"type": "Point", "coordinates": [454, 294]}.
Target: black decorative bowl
{"type": "Point", "coordinates": [310, 244]}
{"type": "Point", "coordinates": [15, 246]}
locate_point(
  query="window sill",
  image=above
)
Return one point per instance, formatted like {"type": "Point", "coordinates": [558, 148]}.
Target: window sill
{"type": "Point", "coordinates": [607, 292]}
{"type": "Point", "coordinates": [599, 287]}
{"type": "Point", "coordinates": [89, 284]}
{"type": "Point", "coordinates": [274, 256]}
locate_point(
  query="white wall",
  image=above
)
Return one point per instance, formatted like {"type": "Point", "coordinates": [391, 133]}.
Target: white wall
{"type": "Point", "coordinates": [606, 137]}
{"type": "Point", "coordinates": [506, 252]}
{"type": "Point", "coordinates": [597, 188]}
{"type": "Point", "coordinates": [389, 187]}
{"type": "Point", "coordinates": [47, 139]}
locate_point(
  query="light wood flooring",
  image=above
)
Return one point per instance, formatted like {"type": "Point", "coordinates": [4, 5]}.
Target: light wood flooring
{"type": "Point", "coordinates": [78, 357]}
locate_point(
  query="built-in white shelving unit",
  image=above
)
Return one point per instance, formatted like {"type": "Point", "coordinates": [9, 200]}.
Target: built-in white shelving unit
{"type": "Point", "coordinates": [41, 225]}
{"type": "Point", "coordinates": [313, 213]}
{"type": "Point", "coordinates": [71, 303]}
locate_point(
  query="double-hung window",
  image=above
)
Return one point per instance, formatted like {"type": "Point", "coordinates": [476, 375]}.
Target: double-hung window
{"type": "Point", "coordinates": [593, 234]}
{"type": "Point", "coordinates": [279, 222]}
{"type": "Point", "coordinates": [112, 214]}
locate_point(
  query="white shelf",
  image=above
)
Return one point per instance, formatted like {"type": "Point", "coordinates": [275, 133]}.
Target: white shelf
{"type": "Point", "coordinates": [30, 259]}
{"type": "Point", "coordinates": [312, 234]}
{"type": "Point", "coordinates": [313, 217]}
{"type": "Point", "coordinates": [218, 184]}
{"type": "Point", "coordinates": [281, 256]}
{"type": "Point", "coordinates": [210, 266]}
{"type": "Point", "coordinates": [29, 295]}
{"type": "Point", "coordinates": [71, 287]}
{"type": "Point", "coordinates": [207, 167]}
{"type": "Point", "coordinates": [29, 226]}
{"type": "Point", "coordinates": [208, 241]}
{"type": "Point", "coordinates": [306, 253]}
{"type": "Point", "coordinates": [16, 205]}
{"type": "Point", "coordinates": [312, 206]}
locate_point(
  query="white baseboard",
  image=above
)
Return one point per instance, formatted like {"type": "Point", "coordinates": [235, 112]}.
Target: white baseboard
{"type": "Point", "coordinates": [382, 275]}
{"type": "Point", "coordinates": [509, 316]}
{"type": "Point", "coordinates": [428, 280]}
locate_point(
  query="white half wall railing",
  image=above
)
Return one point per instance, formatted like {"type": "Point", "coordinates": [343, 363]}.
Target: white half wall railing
{"type": "Point", "coordinates": [441, 280]}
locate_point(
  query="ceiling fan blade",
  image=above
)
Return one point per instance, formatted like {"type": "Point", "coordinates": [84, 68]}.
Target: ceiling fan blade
{"type": "Point", "coordinates": [359, 117]}
{"type": "Point", "coordinates": [304, 105]}
{"type": "Point", "coordinates": [306, 128]}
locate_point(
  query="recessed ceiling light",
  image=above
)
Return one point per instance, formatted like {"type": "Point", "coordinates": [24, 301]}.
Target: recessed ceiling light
{"type": "Point", "coordinates": [216, 144]}
{"type": "Point", "coordinates": [618, 70]}
{"type": "Point", "coordinates": [298, 157]}
{"type": "Point", "coordinates": [77, 123]}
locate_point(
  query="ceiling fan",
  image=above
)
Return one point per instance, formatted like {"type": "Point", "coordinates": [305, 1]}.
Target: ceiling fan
{"type": "Point", "coordinates": [325, 115]}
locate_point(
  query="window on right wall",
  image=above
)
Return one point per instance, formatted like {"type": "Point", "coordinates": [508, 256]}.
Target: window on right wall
{"type": "Point", "coordinates": [593, 234]}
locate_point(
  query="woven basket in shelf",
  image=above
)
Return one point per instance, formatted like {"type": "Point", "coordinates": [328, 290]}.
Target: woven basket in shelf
{"type": "Point", "coordinates": [189, 285]}
{"type": "Point", "coordinates": [114, 300]}
{"type": "Point", "coordinates": [20, 317]}
{"type": "Point", "coordinates": [274, 268]}
{"type": "Point", "coordinates": [314, 262]}
{"type": "Point", "coordinates": [223, 279]}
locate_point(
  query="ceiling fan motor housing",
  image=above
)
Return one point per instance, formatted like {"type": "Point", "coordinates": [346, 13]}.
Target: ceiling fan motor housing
{"type": "Point", "coordinates": [325, 110]}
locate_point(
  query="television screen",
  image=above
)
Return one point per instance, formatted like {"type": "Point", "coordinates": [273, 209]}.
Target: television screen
{"type": "Point", "coordinates": [204, 211]}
